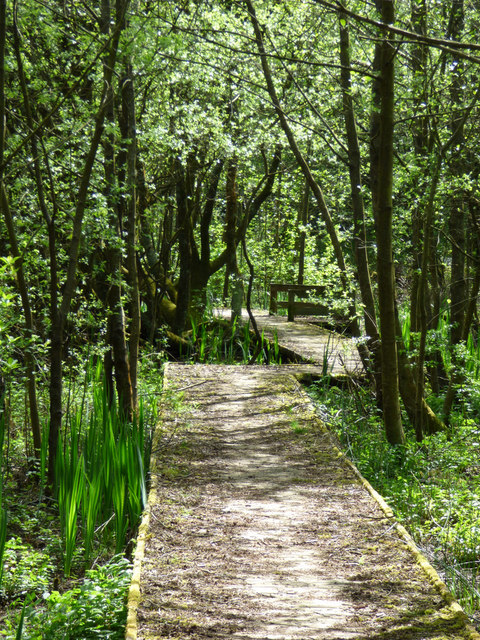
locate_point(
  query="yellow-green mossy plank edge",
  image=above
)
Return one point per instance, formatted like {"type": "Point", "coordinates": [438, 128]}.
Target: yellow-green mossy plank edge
{"type": "Point", "coordinates": [134, 590]}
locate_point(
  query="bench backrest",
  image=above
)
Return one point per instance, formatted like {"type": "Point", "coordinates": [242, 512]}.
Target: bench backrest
{"type": "Point", "coordinates": [299, 291]}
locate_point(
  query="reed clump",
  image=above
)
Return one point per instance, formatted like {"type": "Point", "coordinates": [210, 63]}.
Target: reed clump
{"type": "Point", "coordinates": [101, 468]}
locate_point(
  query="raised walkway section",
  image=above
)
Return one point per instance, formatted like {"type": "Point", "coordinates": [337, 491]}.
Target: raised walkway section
{"type": "Point", "coordinates": [308, 341]}
{"type": "Point", "coordinates": [258, 528]}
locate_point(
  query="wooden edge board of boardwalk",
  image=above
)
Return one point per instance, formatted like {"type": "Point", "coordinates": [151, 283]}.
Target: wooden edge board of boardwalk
{"type": "Point", "coordinates": [258, 527]}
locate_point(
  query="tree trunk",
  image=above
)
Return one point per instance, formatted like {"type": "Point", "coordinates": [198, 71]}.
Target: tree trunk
{"type": "Point", "coordinates": [203, 270]}
{"type": "Point", "coordinates": [185, 250]}
{"type": "Point", "coordinates": [232, 274]}
{"type": "Point", "coordinates": [302, 233]}
{"type": "Point", "coordinates": [428, 222]}
{"type": "Point", "coordinates": [360, 239]}
{"type": "Point", "coordinates": [418, 411]}
{"type": "Point", "coordinates": [457, 377]}
{"type": "Point", "coordinates": [113, 281]}
{"type": "Point", "coordinates": [420, 145]}
{"type": "Point", "coordinates": [59, 315]}
{"type": "Point", "coordinates": [27, 312]}
{"type": "Point", "coordinates": [113, 285]}
{"type": "Point", "coordinates": [128, 107]}
{"type": "Point", "coordinates": [456, 221]}
{"type": "Point", "coordinates": [385, 268]}
{"type": "Point", "coordinates": [9, 223]}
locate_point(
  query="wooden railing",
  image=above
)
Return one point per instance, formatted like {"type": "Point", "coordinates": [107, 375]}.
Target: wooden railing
{"type": "Point", "coordinates": [294, 307]}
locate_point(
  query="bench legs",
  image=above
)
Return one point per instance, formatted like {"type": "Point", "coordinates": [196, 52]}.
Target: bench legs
{"type": "Point", "coordinates": [291, 306]}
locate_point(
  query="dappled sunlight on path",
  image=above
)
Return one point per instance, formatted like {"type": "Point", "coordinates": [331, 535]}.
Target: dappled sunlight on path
{"type": "Point", "coordinates": [260, 530]}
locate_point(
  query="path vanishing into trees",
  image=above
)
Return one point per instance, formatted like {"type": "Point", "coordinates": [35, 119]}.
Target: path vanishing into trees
{"type": "Point", "coordinates": [308, 341]}
{"type": "Point", "coordinates": [259, 528]}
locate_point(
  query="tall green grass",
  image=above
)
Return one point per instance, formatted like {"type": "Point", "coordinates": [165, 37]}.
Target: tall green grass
{"type": "Point", "coordinates": [101, 466]}
{"type": "Point", "coordinates": [216, 342]}
{"type": "Point", "coordinates": [70, 478]}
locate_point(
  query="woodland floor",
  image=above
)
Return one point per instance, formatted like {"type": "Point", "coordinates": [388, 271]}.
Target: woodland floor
{"type": "Point", "coordinates": [260, 529]}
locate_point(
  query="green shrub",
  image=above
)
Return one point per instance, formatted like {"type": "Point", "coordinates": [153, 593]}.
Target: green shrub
{"type": "Point", "coordinates": [26, 570]}
{"type": "Point", "coordinates": [95, 610]}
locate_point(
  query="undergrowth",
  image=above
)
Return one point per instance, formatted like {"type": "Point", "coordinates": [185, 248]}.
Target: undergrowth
{"type": "Point", "coordinates": [93, 607]}
{"type": "Point", "coordinates": [64, 559]}
{"type": "Point", "coordinates": [433, 487]}
{"type": "Point", "coordinates": [218, 342]}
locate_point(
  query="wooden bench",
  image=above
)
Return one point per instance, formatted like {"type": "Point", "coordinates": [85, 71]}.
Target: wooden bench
{"type": "Point", "coordinates": [294, 307]}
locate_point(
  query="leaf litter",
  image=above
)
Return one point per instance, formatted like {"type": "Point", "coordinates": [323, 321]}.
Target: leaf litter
{"type": "Point", "coordinates": [261, 529]}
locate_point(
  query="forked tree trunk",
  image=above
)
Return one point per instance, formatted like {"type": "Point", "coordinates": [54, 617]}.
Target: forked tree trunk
{"type": "Point", "coordinates": [201, 271]}
{"type": "Point", "coordinates": [203, 267]}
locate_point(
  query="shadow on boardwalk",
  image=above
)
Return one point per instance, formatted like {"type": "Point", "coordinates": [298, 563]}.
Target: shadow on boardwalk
{"type": "Point", "coordinates": [258, 528]}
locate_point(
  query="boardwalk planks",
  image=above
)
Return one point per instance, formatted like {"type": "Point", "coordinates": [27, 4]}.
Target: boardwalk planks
{"type": "Point", "coordinates": [253, 534]}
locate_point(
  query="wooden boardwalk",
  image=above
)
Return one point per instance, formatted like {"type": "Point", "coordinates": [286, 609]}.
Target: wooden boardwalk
{"type": "Point", "coordinates": [307, 341]}
{"type": "Point", "coordinates": [258, 528]}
